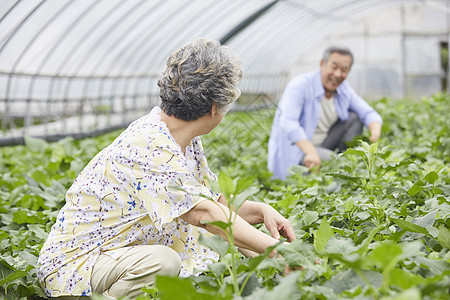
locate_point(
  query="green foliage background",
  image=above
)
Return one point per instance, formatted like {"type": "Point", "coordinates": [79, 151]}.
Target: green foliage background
{"type": "Point", "coordinates": [376, 218]}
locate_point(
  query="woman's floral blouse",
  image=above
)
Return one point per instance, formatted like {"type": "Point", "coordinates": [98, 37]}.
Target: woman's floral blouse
{"type": "Point", "coordinates": [132, 193]}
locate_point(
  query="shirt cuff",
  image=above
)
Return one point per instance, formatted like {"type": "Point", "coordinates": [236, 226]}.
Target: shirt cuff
{"type": "Point", "coordinates": [297, 135]}
{"type": "Point", "coordinates": [373, 117]}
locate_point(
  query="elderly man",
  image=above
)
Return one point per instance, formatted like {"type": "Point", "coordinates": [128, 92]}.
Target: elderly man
{"type": "Point", "coordinates": [317, 114]}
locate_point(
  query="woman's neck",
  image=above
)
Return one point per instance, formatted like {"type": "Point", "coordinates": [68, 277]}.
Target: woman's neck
{"type": "Point", "coordinates": [181, 131]}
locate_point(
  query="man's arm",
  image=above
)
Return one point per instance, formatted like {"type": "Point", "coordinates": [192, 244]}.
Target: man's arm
{"type": "Point", "coordinates": [311, 158]}
{"type": "Point", "coordinates": [291, 107]}
{"type": "Point", "coordinates": [366, 113]}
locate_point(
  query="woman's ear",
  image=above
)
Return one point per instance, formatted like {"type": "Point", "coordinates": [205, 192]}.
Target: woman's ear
{"type": "Point", "coordinates": [213, 110]}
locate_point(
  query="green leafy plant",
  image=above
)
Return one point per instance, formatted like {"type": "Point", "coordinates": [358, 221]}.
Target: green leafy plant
{"type": "Point", "coordinates": [371, 224]}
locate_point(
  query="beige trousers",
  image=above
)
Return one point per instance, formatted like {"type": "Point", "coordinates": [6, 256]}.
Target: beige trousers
{"type": "Point", "coordinates": [133, 270]}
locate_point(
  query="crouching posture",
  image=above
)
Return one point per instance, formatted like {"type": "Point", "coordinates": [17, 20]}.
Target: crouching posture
{"type": "Point", "coordinates": [138, 208]}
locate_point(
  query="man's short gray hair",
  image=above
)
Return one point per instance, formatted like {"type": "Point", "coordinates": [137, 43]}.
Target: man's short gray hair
{"type": "Point", "coordinates": [198, 75]}
{"type": "Point", "coordinates": [336, 49]}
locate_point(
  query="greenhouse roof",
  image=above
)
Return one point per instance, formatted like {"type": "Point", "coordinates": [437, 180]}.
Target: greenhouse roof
{"type": "Point", "coordinates": [115, 37]}
{"type": "Point", "coordinates": [77, 67]}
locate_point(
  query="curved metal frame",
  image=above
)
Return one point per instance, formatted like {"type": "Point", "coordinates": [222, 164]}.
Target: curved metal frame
{"type": "Point", "coordinates": [148, 42]}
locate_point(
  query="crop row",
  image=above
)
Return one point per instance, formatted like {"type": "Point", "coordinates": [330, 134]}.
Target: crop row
{"type": "Point", "coordinates": [371, 224]}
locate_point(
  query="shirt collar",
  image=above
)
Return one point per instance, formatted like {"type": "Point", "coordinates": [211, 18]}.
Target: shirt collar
{"type": "Point", "coordinates": [319, 91]}
{"type": "Point", "coordinates": [340, 88]}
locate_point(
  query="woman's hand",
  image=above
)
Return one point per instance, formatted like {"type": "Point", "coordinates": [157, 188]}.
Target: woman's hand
{"type": "Point", "coordinates": [257, 212]}
{"type": "Point", "coordinates": [277, 224]}
{"type": "Point", "coordinates": [244, 235]}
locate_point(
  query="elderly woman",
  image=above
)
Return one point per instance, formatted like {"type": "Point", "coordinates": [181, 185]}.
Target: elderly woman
{"type": "Point", "coordinates": [138, 208]}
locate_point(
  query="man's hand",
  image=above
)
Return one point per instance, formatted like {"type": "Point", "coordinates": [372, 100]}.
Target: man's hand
{"type": "Point", "coordinates": [375, 131]}
{"type": "Point", "coordinates": [311, 159]}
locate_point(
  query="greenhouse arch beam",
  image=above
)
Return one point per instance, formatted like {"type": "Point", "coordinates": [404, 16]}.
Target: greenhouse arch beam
{"type": "Point", "coordinates": [174, 39]}
{"type": "Point", "coordinates": [144, 37]}
{"type": "Point", "coordinates": [65, 34]}
{"type": "Point", "coordinates": [241, 26]}
{"type": "Point", "coordinates": [9, 10]}
{"type": "Point", "coordinates": [15, 30]}
{"type": "Point", "coordinates": [98, 40]}
{"type": "Point", "coordinates": [118, 38]}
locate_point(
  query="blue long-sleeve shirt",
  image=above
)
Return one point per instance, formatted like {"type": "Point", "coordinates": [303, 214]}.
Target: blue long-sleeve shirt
{"type": "Point", "coordinates": [297, 116]}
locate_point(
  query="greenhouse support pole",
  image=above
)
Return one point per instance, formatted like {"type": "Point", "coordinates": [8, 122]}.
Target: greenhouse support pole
{"type": "Point", "coordinates": [403, 47]}
{"type": "Point", "coordinates": [448, 46]}
{"type": "Point", "coordinates": [249, 20]}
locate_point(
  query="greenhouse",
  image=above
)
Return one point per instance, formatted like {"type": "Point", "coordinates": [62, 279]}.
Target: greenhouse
{"type": "Point", "coordinates": [80, 67]}
{"type": "Point", "coordinates": [371, 223]}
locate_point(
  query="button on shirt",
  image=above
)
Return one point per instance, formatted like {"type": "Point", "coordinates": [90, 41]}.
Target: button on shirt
{"type": "Point", "coordinates": [298, 113]}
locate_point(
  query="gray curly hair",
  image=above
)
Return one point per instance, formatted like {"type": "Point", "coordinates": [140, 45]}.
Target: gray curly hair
{"type": "Point", "coordinates": [198, 75]}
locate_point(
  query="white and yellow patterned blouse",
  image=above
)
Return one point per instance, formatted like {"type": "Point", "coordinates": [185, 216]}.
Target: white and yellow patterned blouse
{"type": "Point", "coordinates": [132, 193]}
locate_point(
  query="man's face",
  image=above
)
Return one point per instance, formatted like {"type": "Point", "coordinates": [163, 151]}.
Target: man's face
{"type": "Point", "coordinates": [335, 70]}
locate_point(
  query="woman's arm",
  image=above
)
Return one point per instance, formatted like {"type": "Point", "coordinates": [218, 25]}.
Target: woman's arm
{"type": "Point", "coordinates": [256, 212]}
{"type": "Point", "coordinates": [245, 235]}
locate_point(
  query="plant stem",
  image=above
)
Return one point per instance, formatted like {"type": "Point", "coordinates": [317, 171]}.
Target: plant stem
{"type": "Point", "coordinates": [233, 257]}
{"type": "Point", "coordinates": [244, 283]}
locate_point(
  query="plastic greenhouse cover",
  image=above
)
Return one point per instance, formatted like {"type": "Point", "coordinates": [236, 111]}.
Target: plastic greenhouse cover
{"type": "Point", "coordinates": [108, 38]}
{"type": "Point", "coordinates": [114, 36]}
